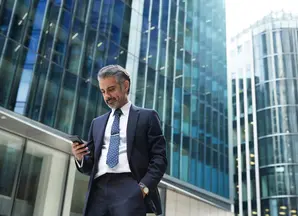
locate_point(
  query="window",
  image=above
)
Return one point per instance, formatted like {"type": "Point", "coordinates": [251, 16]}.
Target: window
{"type": "Point", "coordinates": [10, 154]}
{"type": "Point", "coordinates": [41, 184]}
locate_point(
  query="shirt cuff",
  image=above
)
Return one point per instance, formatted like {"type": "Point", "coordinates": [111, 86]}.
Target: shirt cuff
{"type": "Point", "coordinates": [80, 163]}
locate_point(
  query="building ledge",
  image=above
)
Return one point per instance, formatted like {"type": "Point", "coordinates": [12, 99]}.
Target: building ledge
{"type": "Point", "coordinates": [38, 132]}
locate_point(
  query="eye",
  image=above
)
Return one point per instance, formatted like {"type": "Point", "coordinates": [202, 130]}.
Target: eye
{"type": "Point", "coordinates": [111, 89]}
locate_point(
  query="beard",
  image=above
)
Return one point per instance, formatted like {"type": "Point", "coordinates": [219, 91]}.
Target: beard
{"type": "Point", "coordinates": [112, 103]}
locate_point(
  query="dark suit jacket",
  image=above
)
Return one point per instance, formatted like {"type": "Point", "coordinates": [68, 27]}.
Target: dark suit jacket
{"type": "Point", "coordinates": [146, 150]}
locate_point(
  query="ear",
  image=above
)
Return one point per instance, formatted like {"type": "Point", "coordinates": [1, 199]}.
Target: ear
{"type": "Point", "coordinates": [126, 85]}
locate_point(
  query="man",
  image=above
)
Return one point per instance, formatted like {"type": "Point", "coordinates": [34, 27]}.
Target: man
{"type": "Point", "coordinates": [125, 155]}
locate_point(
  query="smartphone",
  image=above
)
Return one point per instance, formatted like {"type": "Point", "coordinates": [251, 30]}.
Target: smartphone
{"type": "Point", "coordinates": [76, 138]}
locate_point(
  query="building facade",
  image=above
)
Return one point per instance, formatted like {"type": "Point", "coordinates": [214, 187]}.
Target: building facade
{"type": "Point", "coordinates": [50, 53]}
{"type": "Point", "coordinates": [263, 105]}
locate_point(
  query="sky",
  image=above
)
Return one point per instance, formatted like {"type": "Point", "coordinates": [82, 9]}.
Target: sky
{"type": "Point", "coordinates": [242, 13]}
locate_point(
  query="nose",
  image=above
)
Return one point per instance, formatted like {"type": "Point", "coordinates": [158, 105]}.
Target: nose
{"type": "Point", "coordinates": [107, 96]}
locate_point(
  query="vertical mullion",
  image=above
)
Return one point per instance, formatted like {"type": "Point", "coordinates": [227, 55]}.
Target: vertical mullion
{"type": "Point", "coordinates": [183, 89]}
{"type": "Point", "coordinates": [239, 156]}
{"type": "Point", "coordinates": [166, 65]}
{"type": "Point", "coordinates": [156, 86]}
{"type": "Point", "coordinates": [232, 170]}
{"type": "Point", "coordinates": [77, 89]}
{"type": "Point", "coordinates": [147, 54]}
{"type": "Point", "coordinates": [255, 131]}
{"type": "Point", "coordinates": [91, 72]}
{"type": "Point", "coordinates": [195, 61]}
{"type": "Point", "coordinates": [17, 177]}
{"type": "Point", "coordinates": [191, 149]}
{"type": "Point", "coordinates": [174, 82]}
{"type": "Point", "coordinates": [170, 154]}
{"type": "Point", "coordinates": [50, 64]}
{"type": "Point", "coordinates": [219, 116]}
{"type": "Point", "coordinates": [248, 179]}
{"type": "Point", "coordinates": [190, 93]}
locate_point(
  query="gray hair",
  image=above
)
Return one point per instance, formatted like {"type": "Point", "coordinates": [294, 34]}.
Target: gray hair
{"type": "Point", "coordinates": [114, 71]}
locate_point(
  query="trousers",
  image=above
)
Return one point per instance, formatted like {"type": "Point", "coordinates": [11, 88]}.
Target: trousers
{"type": "Point", "coordinates": [116, 194]}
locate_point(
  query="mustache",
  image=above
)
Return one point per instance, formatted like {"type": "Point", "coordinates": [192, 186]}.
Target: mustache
{"type": "Point", "coordinates": [108, 100]}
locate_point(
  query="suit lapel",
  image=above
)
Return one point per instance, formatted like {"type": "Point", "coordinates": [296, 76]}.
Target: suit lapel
{"type": "Point", "coordinates": [101, 132]}
{"type": "Point", "coordinates": [131, 128]}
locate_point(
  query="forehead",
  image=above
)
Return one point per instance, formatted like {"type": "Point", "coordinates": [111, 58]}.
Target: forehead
{"type": "Point", "coordinates": [107, 82]}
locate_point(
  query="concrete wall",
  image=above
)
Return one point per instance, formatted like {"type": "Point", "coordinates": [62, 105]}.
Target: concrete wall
{"type": "Point", "coordinates": [51, 183]}
{"type": "Point", "coordinates": [181, 205]}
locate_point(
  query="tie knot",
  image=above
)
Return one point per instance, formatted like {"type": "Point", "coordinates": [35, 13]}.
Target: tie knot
{"type": "Point", "coordinates": [118, 112]}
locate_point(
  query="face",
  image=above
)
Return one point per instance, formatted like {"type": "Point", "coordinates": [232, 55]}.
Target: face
{"type": "Point", "coordinates": [115, 95]}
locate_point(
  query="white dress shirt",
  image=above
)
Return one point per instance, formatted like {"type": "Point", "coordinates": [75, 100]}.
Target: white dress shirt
{"type": "Point", "coordinates": [123, 165]}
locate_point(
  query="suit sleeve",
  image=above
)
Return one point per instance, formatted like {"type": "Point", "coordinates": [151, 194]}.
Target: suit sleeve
{"type": "Point", "coordinates": [86, 165]}
{"type": "Point", "coordinates": [157, 153]}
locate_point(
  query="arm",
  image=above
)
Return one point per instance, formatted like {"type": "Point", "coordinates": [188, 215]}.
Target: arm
{"type": "Point", "coordinates": [86, 165]}
{"type": "Point", "coordinates": [157, 153]}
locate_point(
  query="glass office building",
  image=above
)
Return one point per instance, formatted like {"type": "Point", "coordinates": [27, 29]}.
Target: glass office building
{"type": "Point", "coordinates": [264, 100]}
{"type": "Point", "coordinates": [50, 53]}
{"type": "Point", "coordinates": [244, 146]}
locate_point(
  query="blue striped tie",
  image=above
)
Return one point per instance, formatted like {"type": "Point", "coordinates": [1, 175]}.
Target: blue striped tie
{"type": "Point", "coordinates": [113, 153]}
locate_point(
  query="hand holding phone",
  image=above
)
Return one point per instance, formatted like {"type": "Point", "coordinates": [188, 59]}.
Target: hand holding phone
{"type": "Point", "coordinates": [79, 148]}
{"type": "Point", "coordinates": [76, 139]}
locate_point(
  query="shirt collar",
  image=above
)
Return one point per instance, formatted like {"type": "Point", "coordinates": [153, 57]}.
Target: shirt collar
{"type": "Point", "coordinates": [125, 109]}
